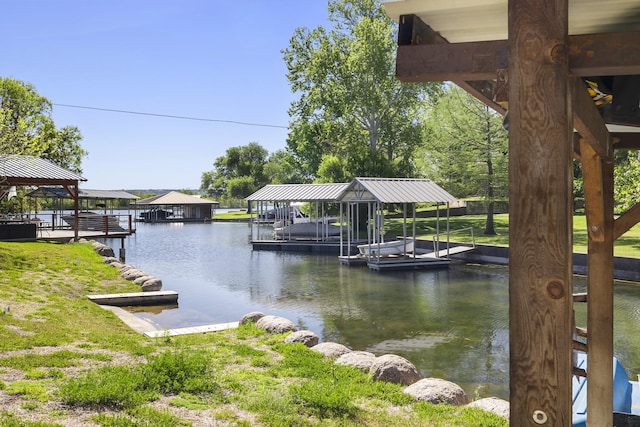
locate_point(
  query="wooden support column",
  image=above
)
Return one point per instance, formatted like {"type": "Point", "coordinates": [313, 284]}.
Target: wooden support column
{"type": "Point", "coordinates": [540, 214]}
{"type": "Point", "coordinates": [598, 193]}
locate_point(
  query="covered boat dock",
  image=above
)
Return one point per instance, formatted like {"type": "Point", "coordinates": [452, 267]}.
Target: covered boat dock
{"type": "Point", "coordinates": [277, 222]}
{"type": "Point", "coordinates": [175, 207]}
{"type": "Point", "coordinates": [405, 251]}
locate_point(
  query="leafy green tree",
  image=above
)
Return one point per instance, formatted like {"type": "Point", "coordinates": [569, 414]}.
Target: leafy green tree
{"type": "Point", "coordinates": [350, 103]}
{"type": "Point", "coordinates": [26, 127]}
{"type": "Point", "coordinates": [466, 149]}
{"type": "Point", "coordinates": [237, 174]}
{"type": "Point", "coordinates": [282, 168]}
{"type": "Point", "coordinates": [627, 173]}
{"type": "Point", "coordinates": [332, 169]}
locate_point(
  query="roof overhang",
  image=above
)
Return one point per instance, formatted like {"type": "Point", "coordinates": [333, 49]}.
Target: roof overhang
{"type": "Point", "coordinates": [465, 42]}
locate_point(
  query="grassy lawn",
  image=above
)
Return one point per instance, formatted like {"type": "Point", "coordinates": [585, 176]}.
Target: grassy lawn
{"type": "Point", "coordinates": [65, 361]}
{"type": "Point", "coordinates": [627, 245]}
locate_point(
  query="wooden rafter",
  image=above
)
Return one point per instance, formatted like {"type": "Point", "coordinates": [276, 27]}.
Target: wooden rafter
{"type": "Point", "coordinates": [423, 59]}
{"type": "Point", "coordinates": [588, 121]}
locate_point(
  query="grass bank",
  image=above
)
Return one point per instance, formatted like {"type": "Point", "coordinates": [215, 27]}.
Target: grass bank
{"type": "Point", "coordinates": [67, 362]}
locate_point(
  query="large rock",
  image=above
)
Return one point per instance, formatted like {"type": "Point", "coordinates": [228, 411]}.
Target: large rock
{"type": "Point", "coordinates": [110, 259]}
{"type": "Point", "coordinates": [331, 349]}
{"type": "Point", "coordinates": [436, 390]}
{"type": "Point", "coordinates": [142, 279]}
{"type": "Point", "coordinates": [275, 324]}
{"type": "Point", "coordinates": [307, 338]}
{"type": "Point", "coordinates": [493, 404]}
{"type": "Point", "coordinates": [394, 369]}
{"type": "Point", "coordinates": [152, 285]}
{"type": "Point", "coordinates": [252, 317]}
{"type": "Point", "coordinates": [133, 274]}
{"type": "Point", "coordinates": [103, 249]}
{"type": "Point", "coordinates": [362, 360]}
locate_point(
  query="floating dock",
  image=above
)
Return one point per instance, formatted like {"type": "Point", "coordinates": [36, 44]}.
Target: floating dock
{"type": "Point", "coordinates": [420, 259]}
{"type": "Point", "coordinates": [136, 298]}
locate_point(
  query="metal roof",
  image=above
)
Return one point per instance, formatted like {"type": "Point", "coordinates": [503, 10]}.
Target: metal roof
{"type": "Point", "coordinates": [299, 192]}
{"type": "Point", "coordinates": [395, 190]}
{"type": "Point", "coordinates": [60, 192]}
{"type": "Point", "coordinates": [175, 198]}
{"type": "Point", "coordinates": [483, 20]}
{"type": "Point", "coordinates": [21, 169]}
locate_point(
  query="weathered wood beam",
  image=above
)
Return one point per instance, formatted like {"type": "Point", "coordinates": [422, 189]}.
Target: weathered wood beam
{"type": "Point", "coordinates": [624, 222]}
{"type": "Point", "coordinates": [593, 191]}
{"type": "Point", "coordinates": [540, 214]}
{"type": "Point", "coordinates": [626, 141]}
{"type": "Point", "coordinates": [605, 54]}
{"type": "Point", "coordinates": [588, 121]}
{"type": "Point", "coordinates": [598, 190]}
{"type": "Point", "coordinates": [457, 61]}
{"type": "Point", "coordinates": [421, 56]}
{"type": "Point", "coordinates": [414, 32]}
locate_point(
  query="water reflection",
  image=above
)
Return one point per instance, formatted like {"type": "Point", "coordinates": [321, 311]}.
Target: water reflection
{"type": "Point", "coordinates": [451, 323]}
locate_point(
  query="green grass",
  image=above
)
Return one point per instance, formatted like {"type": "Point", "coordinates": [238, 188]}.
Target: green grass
{"type": "Point", "coordinates": [236, 215]}
{"type": "Point", "coordinates": [627, 245]}
{"type": "Point", "coordinates": [59, 350]}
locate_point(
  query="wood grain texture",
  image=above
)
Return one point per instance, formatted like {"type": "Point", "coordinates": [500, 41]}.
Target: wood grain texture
{"type": "Point", "coordinates": [598, 185]}
{"type": "Point", "coordinates": [540, 220]}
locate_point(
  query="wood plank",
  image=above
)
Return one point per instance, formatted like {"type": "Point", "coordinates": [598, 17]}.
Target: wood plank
{"type": "Point", "coordinates": [606, 54]}
{"type": "Point", "coordinates": [413, 31]}
{"type": "Point", "coordinates": [600, 312]}
{"type": "Point", "coordinates": [588, 121]}
{"type": "Point", "coordinates": [459, 61]}
{"type": "Point", "coordinates": [593, 192]}
{"type": "Point", "coordinates": [540, 214]}
{"type": "Point", "coordinates": [625, 221]}
{"type": "Point", "coordinates": [429, 57]}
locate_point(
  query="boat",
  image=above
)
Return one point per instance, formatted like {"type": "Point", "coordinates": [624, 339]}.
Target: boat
{"type": "Point", "coordinates": [91, 221]}
{"type": "Point", "coordinates": [155, 215]}
{"type": "Point", "coordinates": [626, 395]}
{"type": "Point", "coordinates": [308, 229]}
{"type": "Point", "coordinates": [382, 249]}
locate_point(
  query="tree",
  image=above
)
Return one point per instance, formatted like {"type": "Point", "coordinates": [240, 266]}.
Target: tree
{"type": "Point", "coordinates": [282, 168]}
{"type": "Point", "coordinates": [467, 149]}
{"type": "Point", "coordinates": [237, 174]}
{"type": "Point", "coordinates": [351, 105]}
{"type": "Point", "coordinates": [627, 173]}
{"type": "Point", "coordinates": [26, 127]}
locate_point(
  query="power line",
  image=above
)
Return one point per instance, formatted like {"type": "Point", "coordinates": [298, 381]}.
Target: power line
{"type": "Point", "coordinates": [170, 116]}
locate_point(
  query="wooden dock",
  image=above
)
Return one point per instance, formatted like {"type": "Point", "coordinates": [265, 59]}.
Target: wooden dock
{"type": "Point", "coordinates": [136, 298]}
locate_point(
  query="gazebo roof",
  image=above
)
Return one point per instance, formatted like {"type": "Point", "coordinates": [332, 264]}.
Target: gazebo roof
{"type": "Point", "coordinates": [395, 190]}
{"type": "Point", "coordinates": [299, 192]}
{"type": "Point", "coordinates": [175, 198]}
{"type": "Point", "coordinates": [29, 170]}
{"type": "Point", "coordinates": [59, 192]}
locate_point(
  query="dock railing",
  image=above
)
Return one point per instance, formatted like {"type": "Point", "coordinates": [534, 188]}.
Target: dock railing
{"type": "Point", "coordinates": [466, 244]}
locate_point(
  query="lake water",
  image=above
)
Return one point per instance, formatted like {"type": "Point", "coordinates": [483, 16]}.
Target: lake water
{"type": "Point", "coordinates": [450, 323]}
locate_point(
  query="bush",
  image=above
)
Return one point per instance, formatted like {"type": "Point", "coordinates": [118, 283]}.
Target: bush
{"type": "Point", "coordinates": [171, 372]}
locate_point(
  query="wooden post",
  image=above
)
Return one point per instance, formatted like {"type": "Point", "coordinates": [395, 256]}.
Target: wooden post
{"type": "Point", "coordinates": [598, 191]}
{"type": "Point", "coordinates": [540, 214]}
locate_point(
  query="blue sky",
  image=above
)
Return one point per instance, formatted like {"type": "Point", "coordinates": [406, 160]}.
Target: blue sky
{"type": "Point", "coordinates": [210, 59]}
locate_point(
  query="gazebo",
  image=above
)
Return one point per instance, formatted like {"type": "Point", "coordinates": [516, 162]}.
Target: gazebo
{"type": "Point", "coordinates": [548, 63]}
{"type": "Point", "coordinates": [23, 170]}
